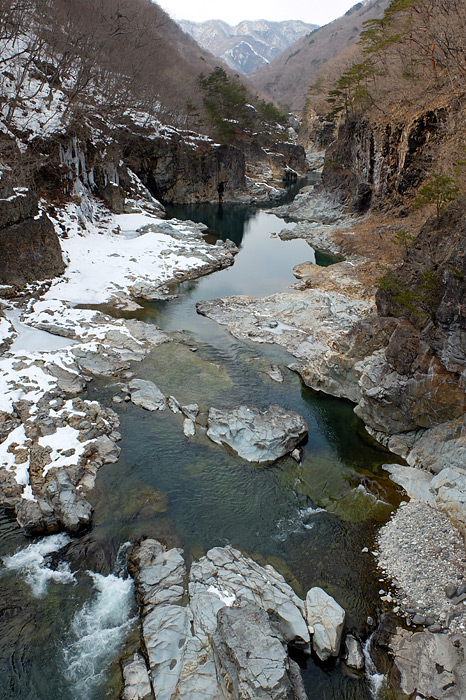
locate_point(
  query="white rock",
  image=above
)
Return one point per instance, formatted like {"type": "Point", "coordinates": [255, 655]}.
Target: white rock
{"type": "Point", "coordinates": [327, 618]}
{"type": "Point", "coordinates": [189, 429]}
{"type": "Point", "coordinates": [173, 405]}
{"type": "Point", "coordinates": [146, 394]}
{"type": "Point", "coordinates": [353, 656]}
{"type": "Point", "coordinates": [136, 678]}
{"type": "Point", "coordinates": [257, 436]}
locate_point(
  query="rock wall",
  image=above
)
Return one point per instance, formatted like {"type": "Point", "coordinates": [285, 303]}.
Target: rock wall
{"type": "Point", "coordinates": [418, 380]}
{"type": "Point", "coordinates": [368, 161]}
{"type": "Point", "coordinates": [179, 170]}
{"type": "Point", "coordinates": [174, 166]}
{"type": "Point", "coordinates": [29, 247]}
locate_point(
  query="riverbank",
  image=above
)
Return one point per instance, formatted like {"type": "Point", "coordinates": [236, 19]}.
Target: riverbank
{"type": "Point", "coordinates": [329, 325]}
{"type": "Point", "coordinates": [53, 443]}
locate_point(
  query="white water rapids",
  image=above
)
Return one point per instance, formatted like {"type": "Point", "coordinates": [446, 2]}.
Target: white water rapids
{"type": "Point", "coordinates": [31, 563]}
{"type": "Point", "coordinates": [375, 680]}
{"type": "Point", "coordinates": [98, 631]}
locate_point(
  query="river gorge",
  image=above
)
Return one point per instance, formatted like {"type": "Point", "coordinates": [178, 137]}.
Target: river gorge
{"type": "Point", "coordinates": [68, 611]}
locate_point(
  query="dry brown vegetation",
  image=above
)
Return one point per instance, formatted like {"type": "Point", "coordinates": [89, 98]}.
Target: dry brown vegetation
{"type": "Point", "coordinates": [412, 58]}
{"type": "Point", "coordinates": [288, 77]}
{"type": "Point", "coordinates": [106, 55]}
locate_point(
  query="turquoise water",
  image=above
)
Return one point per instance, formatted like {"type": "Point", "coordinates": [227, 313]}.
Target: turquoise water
{"type": "Point", "coordinates": [310, 521]}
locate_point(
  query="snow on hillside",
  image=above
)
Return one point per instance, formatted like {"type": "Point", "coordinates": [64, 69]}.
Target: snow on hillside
{"type": "Point", "coordinates": [248, 45]}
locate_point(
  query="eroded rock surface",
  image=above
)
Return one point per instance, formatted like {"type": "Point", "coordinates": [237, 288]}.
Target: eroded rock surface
{"type": "Point", "coordinates": [224, 574]}
{"type": "Point", "coordinates": [136, 679]}
{"type": "Point", "coordinates": [257, 436]}
{"type": "Point", "coordinates": [147, 395]}
{"type": "Point", "coordinates": [308, 324]}
{"type": "Point", "coordinates": [431, 665]}
{"type": "Point", "coordinates": [326, 618]}
{"type": "Point", "coordinates": [228, 642]}
{"type": "Point", "coordinates": [252, 662]}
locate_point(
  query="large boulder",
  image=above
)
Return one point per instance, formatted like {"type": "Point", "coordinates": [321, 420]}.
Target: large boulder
{"type": "Point", "coordinates": [326, 619]}
{"type": "Point", "coordinates": [354, 656]}
{"type": "Point", "coordinates": [146, 394]}
{"type": "Point", "coordinates": [159, 573]}
{"type": "Point", "coordinates": [257, 436]}
{"type": "Point", "coordinates": [431, 665]}
{"type": "Point", "coordinates": [224, 576]}
{"type": "Point", "coordinates": [251, 660]}
{"type": "Point", "coordinates": [225, 640]}
{"type": "Point", "coordinates": [30, 250]}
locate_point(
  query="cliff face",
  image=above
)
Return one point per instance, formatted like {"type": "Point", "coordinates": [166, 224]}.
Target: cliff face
{"type": "Point", "coordinates": [434, 269]}
{"type": "Point", "coordinates": [372, 161]}
{"type": "Point", "coordinates": [177, 170]}
{"type": "Point", "coordinates": [29, 247]}
{"type": "Point", "coordinates": [416, 377]}
{"type": "Point", "coordinates": [118, 166]}
{"type": "Point", "coordinates": [418, 380]}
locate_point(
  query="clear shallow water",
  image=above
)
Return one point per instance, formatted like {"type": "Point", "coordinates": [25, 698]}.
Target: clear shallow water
{"type": "Point", "coordinates": [309, 520]}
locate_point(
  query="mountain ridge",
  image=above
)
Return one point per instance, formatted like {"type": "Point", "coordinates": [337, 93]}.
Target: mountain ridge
{"type": "Point", "coordinates": [248, 45]}
{"type": "Point", "coordinates": [288, 77]}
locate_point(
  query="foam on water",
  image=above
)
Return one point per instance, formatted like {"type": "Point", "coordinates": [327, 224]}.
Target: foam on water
{"type": "Point", "coordinates": [97, 632]}
{"type": "Point", "coordinates": [297, 523]}
{"type": "Point", "coordinates": [31, 563]}
{"type": "Point", "coordinates": [375, 679]}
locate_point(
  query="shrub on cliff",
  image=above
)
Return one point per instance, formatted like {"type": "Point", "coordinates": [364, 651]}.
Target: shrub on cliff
{"type": "Point", "coordinates": [439, 190]}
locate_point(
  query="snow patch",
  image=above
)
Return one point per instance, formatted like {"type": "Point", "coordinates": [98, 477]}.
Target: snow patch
{"type": "Point", "coordinates": [63, 440]}
{"type": "Point", "coordinates": [227, 598]}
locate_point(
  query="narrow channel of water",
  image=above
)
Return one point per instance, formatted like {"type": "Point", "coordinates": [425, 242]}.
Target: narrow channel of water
{"type": "Point", "coordinates": [311, 521]}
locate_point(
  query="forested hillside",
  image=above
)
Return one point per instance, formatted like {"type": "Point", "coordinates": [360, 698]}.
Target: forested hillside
{"type": "Point", "coordinates": [114, 73]}
{"type": "Point", "coordinates": [104, 57]}
{"type": "Point", "coordinates": [400, 102]}
{"type": "Point", "coordinates": [288, 76]}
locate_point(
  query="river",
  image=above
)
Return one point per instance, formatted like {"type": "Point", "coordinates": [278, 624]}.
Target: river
{"type": "Point", "coordinates": [66, 619]}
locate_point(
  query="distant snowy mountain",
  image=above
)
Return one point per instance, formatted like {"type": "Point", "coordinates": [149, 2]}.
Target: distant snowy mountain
{"type": "Point", "coordinates": [251, 44]}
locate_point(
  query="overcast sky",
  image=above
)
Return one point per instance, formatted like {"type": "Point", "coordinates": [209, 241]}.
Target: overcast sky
{"type": "Point", "coordinates": [233, 11]}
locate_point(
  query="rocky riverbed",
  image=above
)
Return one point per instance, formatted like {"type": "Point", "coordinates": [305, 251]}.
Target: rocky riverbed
{"type": "Point", "coordinates": [424, 558]}
{"type": "Point", "coordinates": [223, 630]}
{"type": "Point", "coordinates": [329, 325]}
{"type": "Point", "coordinates": [53, 442]}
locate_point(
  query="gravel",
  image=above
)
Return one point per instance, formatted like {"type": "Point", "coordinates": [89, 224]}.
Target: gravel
{"type": "Point", "coordinates": [425, 558]}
